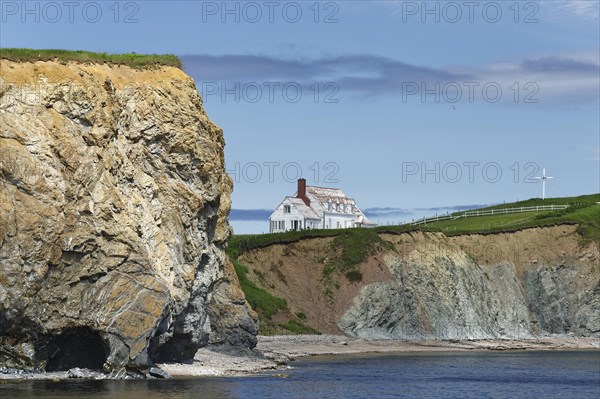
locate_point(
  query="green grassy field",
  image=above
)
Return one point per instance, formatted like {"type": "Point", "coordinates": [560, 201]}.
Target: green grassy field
{"type": "Point", "coordinates": [483, 223]}
{"type": "Point", "coordinates": [138, 61]}
{"type": "Point", "coordinates": [583, 210]}
{"type": "Point", "coordinates": [582, 199]}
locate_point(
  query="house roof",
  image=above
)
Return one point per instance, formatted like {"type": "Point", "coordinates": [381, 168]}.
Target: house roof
{"type": "Point", "coordinates": [304, 209]}
{"type": "Point", "coordinates": [319, 198]}
{"type": "Point", "coordinates": [323, 193]}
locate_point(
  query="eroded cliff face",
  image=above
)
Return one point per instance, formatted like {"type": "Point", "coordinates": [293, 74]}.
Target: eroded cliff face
{"type": "Point", "coordinates": [523, 284]}
{"type": "Point", "coordinates": [114, 204]}
{"type": "Point", "coordinates": [512, 285]}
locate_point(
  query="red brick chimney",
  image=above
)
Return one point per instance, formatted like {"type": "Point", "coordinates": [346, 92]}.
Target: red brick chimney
{"type": "Point", "coordinates": [302, 191]}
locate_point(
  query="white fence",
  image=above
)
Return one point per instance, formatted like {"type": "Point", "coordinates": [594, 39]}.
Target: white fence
{"type": "Point", "coordinates": [489, 212]}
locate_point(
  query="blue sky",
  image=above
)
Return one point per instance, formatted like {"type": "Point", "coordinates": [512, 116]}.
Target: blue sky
{"type": "Point", "coordinates": [412, 108]}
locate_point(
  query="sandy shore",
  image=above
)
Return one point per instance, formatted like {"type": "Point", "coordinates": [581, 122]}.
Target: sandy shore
{"type": "Point", "coordinates": [277, 352]}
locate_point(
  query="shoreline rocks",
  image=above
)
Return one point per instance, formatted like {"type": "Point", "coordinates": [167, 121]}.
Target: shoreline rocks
{"type": "Point", "coordinates": [279, 352]}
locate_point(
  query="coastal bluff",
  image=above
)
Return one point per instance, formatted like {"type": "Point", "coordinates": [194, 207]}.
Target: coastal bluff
{"type": "Point", "coordinates": [114, 220]}
{"type": "Point", "coordinates": [531, 283]}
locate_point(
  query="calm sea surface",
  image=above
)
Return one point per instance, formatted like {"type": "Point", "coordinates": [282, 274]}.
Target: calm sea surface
{"type": "Point", "coordinates": [427, 375]}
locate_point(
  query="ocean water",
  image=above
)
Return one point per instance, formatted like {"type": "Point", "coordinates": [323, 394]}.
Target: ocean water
{"type": "Point", "coordinates": [562, 375]}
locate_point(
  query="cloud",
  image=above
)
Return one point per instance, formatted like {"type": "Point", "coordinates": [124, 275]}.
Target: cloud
{"type": "Point", "coordinates": [583, 9]}
{"type": "Point", "coordinates": [250, 214]}
{"type": "Point", "coordinates": [359, 72]}
{"type": "Point", "coordinates": [248, 67]}
{"type": "Point", "coordinates": [386, 212]}
{"type": "Point", "coordinates": [560, 65]}
{"type": "Point", "coordinates": [383, 212]}
{"type": "Point", "coordinates": [557, 78]}
{"type": "Point", "coordinates": [453, 208]}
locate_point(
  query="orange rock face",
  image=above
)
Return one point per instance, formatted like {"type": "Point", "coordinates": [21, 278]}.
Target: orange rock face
{"type": "Point", "coordinates": [114, 203]}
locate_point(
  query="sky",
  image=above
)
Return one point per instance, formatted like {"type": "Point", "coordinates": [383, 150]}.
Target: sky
{"type": "Point", "coordinates": [413, 108]}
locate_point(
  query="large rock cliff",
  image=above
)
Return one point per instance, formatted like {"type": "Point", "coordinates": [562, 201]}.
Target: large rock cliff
{"type": "Point", "coordinates": [114, 203]}
{"type": "Point", "coordinates": [416, 285]}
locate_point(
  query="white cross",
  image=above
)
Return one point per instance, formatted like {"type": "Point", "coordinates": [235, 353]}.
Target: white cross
{"type": "Point", "coordinates": [543, 178]}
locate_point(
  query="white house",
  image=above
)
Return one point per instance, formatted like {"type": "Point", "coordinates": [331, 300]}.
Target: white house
{"type": "Point", "coordinates": [317, 208]}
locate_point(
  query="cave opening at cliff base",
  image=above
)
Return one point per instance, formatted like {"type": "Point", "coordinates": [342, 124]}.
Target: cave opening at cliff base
{"type": "Point", "coordinates": [76, 347]}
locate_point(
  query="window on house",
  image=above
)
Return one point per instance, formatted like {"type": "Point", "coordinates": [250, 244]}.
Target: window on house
{"type": "Point", "coordinates": [287, 209]}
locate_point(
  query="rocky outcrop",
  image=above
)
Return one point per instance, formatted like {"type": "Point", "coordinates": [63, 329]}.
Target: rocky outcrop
{"type": "Point", "coordinates": [448, 297]}
{"type": "Point", "coordinates": [114, 203]}
{"type": "Point", "coordinates": [438, 290]}
{"type": "Point", "coordinates": [231, 323]}
{"type": "Point", "coordinates": [557, 304]}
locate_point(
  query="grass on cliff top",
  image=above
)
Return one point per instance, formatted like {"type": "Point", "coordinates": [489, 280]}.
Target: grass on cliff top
{"type": "Point", "coordinates": [584, 211]}
{"type": "Point", "coordinates": [351, 245]}
{"type": "Point", "coordinates": [586, 216]}
{"type": "Point", "coordinates": [582, 199]}
{"type": "Point", "coordinates": [138, 61]}
{"type": "Point", "coordinates": [239, 244]}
